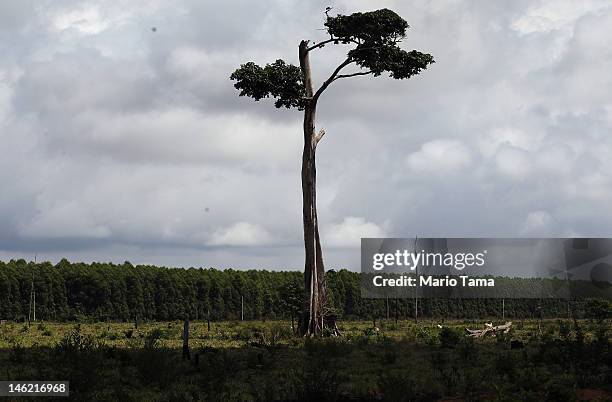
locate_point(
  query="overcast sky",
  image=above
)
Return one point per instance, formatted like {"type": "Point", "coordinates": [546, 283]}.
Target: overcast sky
{"type": "Point", "coordinates": [121, 142]}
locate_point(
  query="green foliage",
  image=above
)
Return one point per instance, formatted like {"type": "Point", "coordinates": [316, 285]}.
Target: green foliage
{"type": "Point", "coordinates": [75, 342]}
{"type": "Point", "coordinates": [375, 36]}
{"type": "Point", "coordinates": [88, 293]}
{"type": "Point", "coordinates": [152, 340]}
{"type": "Point", "coordinates": [386, 368]}
{"type": "Point", "coordinates": [399, 63]}
{"type": "Point", "coordinates": [277, 80]}
{"type": "Point", "coordinates": [565, 329]}
{"type": "Point", "coordinates": [599, 309]}
{"type": "Point", "coordinates": [375, 27]}
{"type": "Point", "coordinates": [450, 337]}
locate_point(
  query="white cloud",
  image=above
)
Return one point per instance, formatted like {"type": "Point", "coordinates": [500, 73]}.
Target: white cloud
{"type": "Point", "coordinates": [241, 234]}
{"type": "Point", "coordinates": [513, 162]}
{"type": "Point", "coordinates": [528, 141]}
{"type": "Point", "coordinates": [66, 220]}
{"type": "Point", "coordinates": [86, 19]}
{"type": "Point", "coordinates": [349, 232]}
{"type": "Point", "coordinates": [546, 16]}
{"type": "Point", "coordinates": [536, 222]}
{"type": "Point", "coordinates": [440, 156]}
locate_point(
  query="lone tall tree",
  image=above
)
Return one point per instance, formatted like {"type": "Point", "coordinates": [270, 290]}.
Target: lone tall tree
{"type": "Point", "coordinates": [373, 37]}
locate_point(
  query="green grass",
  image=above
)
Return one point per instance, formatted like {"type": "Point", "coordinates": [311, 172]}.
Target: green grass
{"type": "Point", "coordinates": [264, 361]}
{"type": "Point", "coordinates": [235, 334]}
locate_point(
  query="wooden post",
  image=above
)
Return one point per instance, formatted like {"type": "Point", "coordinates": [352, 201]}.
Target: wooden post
{"type": "Point", "coordinates": [208, 319]}
{"type": "Point", "coordinates": [136, 322]}
{"type": "Point", "coordinates": [503, 308]}
{"type": "Point", "coordinates": [31, 300]}
{"type": "Point", "coordinates": [186, 354]}
{"type": "Point", "coordinates": [539, 308]}
{"type": "Point", "coordinates": [241, 308]}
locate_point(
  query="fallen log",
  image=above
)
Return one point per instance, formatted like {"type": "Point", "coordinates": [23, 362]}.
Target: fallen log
{"type": "Point", "coordinates": [490, 329]}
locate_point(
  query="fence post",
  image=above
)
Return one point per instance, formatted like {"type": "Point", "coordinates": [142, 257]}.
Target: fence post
{"type": "Point", "coordinates": [186, 354]}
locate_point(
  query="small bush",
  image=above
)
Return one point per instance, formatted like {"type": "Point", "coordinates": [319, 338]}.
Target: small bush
{"type": "Point", "coordinates": [152, 340]}
{"type": "Point", "coordinates": [76, 342]}
{"type": "Point", "coordinates": [565, 329]}
{"type": "Point", "coordinates": [449, 338]}
{"type": "Point", "coordinates": [560, 389]}
{"type": "Point", "coordinates": [371, 331]}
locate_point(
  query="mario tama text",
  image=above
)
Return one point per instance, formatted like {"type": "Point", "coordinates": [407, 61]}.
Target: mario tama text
{"type": "Point", "coordinates": [431, 281]}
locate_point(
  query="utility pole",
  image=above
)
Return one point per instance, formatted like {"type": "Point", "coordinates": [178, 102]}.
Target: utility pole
{"type": "Point", "coordinates": [396, 311]}
{"type": "Point", "coordinates": [503, 308]}
{"type": "Point", "coordinates": [241, 308]}
{"type": "Point", "coordinates": [387, 303]}
{"type": "Point", "coordinates": [32, 308]}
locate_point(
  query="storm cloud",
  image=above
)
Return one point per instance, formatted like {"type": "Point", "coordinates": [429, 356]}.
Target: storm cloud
{"type": "Point", "coordinates": [122, 137]}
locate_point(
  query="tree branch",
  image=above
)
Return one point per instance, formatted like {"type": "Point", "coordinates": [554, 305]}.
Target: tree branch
{"type": "Point", "coordinates": [352, 75]}
{"type": "Point", "coordinates": [318, 137]}
{"type": "Point", "coordinates": [320, 44]}
{"type": "Point", "coordinates": [325, 42]}
{"type": "Point", "coordinates": [331, 78]}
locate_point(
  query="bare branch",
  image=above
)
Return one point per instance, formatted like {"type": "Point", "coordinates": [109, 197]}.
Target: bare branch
{"type": "Point", "coordinates": [318, 137]}
{"type": "Point", "coordinates": [331, 78]}
{"type": "Point", "coordinates": [352, 75]}
{"type": "Point", "coordinates": [320, 44]}
{"type": "Point", "coordinates": [335, 40]}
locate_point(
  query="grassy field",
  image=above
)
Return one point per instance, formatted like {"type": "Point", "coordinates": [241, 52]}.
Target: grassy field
{"type": "Point", "coordinates": [555, 360]}
{"type": "Point", "coordinates": [236, 334]}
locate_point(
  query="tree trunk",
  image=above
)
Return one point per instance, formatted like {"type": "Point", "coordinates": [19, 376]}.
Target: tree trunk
{"type": "Point", "coordinates": [313, 318]}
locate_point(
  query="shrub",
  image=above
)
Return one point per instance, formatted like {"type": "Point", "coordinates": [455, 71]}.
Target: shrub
{"type": "Point", "coordinates": [152, 339]}
{"type": "Point", "coordinates": [75, 342]}
{"type": "Point", "coordinates": [449, 338]}
{"type": "Point", "coordinates": [560, 389]}
{"type": "Point", "coordinates": [565, 329]}
{"type": "Point", "coordinates": [599, 309]}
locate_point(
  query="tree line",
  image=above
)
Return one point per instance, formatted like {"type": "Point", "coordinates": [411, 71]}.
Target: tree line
{"type": "Point", "coordinates": [105, 291]}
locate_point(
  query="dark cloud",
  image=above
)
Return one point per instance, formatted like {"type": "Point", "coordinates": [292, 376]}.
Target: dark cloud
{"type": "Point", "coordinates": [121, 142]}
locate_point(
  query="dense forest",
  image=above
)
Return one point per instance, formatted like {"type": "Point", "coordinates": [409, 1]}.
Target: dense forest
{"type": "Point", "coordinates": [103, 291]}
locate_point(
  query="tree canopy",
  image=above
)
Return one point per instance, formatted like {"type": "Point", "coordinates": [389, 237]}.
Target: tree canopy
{"type": "Point", "coordinates": [104, 291]}
{"type": "Point", "coordinates": [375, 36]}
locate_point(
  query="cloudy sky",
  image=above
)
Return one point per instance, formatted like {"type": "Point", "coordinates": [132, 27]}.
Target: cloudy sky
{"type": "Point", "coordinates": [120, 142]}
